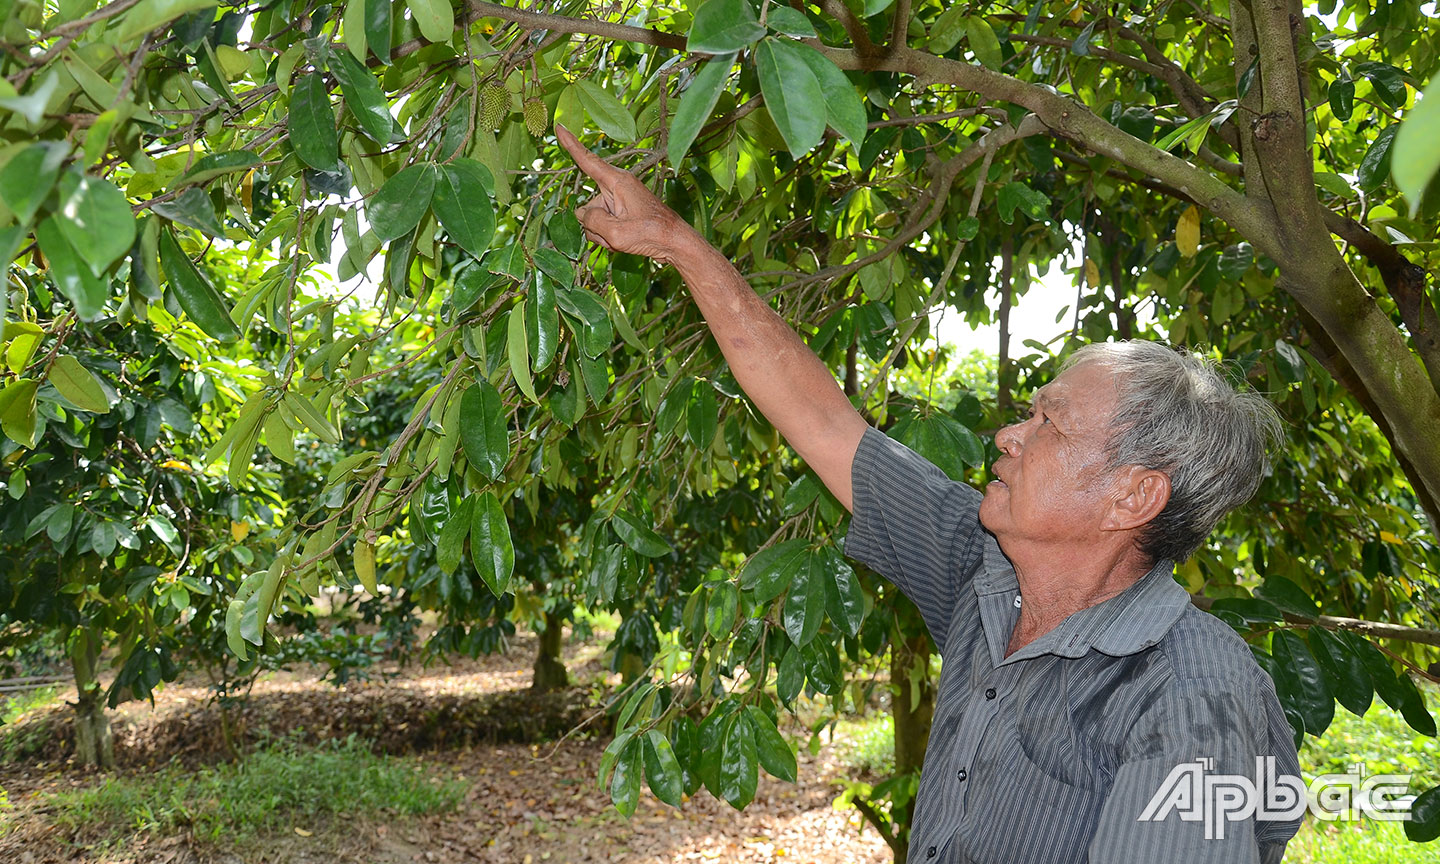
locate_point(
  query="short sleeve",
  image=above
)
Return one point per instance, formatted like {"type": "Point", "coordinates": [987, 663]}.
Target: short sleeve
{"type": "Point", "coordinates": [914, 526]}
{"type": "Point", "coordinates": [1153, 813]}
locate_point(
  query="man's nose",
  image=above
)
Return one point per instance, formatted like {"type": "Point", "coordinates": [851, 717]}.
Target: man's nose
{"type": "Point", "coordinates": [1008, 439]}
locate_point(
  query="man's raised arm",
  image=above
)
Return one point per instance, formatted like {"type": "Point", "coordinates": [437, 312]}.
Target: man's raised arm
{"type": "Point", "coordinates": [780, 374]}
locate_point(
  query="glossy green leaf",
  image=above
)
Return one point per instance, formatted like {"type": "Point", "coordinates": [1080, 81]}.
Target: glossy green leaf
{"type": "Point", "coordinates": [311, 124]}
{"type": "Point", "coordinates": [199, 298]}
{"type": "Point", "coordinates": [702, 415]}
{"type": "Point", "coordinates": [491, 548]}
{"type": "Point", "coordinates": [72, 278]}
{"type": "Point", "coordinates": [565, 232]}
{"type": "Point", "coordinates": [662, 769]}
{"type": "Point", "coordinates": [625, 779]}
{"type": "Point", "coordinates": [519, 349]}
{"type": "Point", "coordinates": [542, 326]}
{"type": "Point", "coordinates": [774, 754]}
{"type": "Point", "coordinates": [1423, 825]}
{"type": "Point", "coordinates": [1288, 596]}
{"type": "Point", "coordinates": [213, 165]}
{"type": "Point", "coordinates": [17, 411]}
{"type": "Point", "coordinates": [377, 20]}
{"type": "Point", "coordinates": [720, 610]}
{"type": "Point", "coordinates": [450, 542]}
{"type": "Point", "coordinates": [771, 570]}
{"type": "Point", "coordinates": [805, 604]}
{"type": "Point", "coordinates": [1349, 680]}
{"type": "Point", "coordinates": [1303, 686]}
{"type": "Point", "coordinates": [435, 18]}
{"type": "Point", "coordinates": [739, 762]}
{"type": "Point", "coordinates": [78, 384]}
{"type": "Point", "coordinates": [638, 535]}
{"type": "Point", "coordinates": [596, 332]}
{"type": "Point", "coordinates": [95, 217]}
{"type": "Point", "coordinates": [363, 95]}
{"type": "Point", "coordinates": [843, 109]}
{"type": "Point", "coordinates": [192, 208]}
{"type": "Point", "coordinates": [608, 112]}
{"type": "Point", "coordinates": [1375, 167]}
{"type": "Point", "coordinates": [401, 203]}
{"type": "Point", "coordinates": [1342, 98]}
{"type": "Point", "coordinates": [844, 599]}
{"type": "Point", "coordinates": [723, 26]}
{"type": "Point", "coordinates": [556, 266]}
{"type": "Point", "coordinates": [149, 15]}
{"type": "Point", "coordinates": [984, 42]}
{"type": "Point", "coordinates": [462, 204]}
{"type": "Point", "coordinates": [236, 644]}
{"type": "Point", "coordinates": [697, 103]}
{"type": "Point", "coordinates": [790, 676]}
{"type": "Point", "coordinates": [484, 429]}
{"type": "Point", "coordinates": [26, 180]}
{"type": "Point", "coordinates": [792, 93]}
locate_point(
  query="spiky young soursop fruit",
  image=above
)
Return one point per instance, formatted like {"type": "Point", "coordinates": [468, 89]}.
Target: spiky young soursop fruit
{"type": "Point", "coordinates": [537, 119]}
{"type": "Point", "coordinates": [494, 105]}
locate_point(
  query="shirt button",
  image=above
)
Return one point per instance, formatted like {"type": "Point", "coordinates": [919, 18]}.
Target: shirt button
{"type": "Point", "coordinates": [930, 853]}
{"type": "Point", "coordinates": [990, 693]}
{"type": "Point", "coordinates": [961, 774]}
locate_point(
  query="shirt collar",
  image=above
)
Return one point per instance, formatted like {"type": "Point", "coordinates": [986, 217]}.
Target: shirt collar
{"type": "Point", "coordinates": [1127, 623]}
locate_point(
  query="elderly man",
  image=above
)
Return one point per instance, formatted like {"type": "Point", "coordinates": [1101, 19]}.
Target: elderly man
{"type": "Point", "coordinates": [1077, 675]}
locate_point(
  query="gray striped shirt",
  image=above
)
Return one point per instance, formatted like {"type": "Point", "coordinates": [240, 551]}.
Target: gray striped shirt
{"type": "Point", "coordinates": [1051, 754]}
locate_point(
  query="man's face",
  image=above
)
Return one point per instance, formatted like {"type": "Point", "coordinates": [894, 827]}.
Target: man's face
{"type": "Point", "coordinates": [1051, 484]}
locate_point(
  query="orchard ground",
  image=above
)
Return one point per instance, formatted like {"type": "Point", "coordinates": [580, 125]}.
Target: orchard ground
{"type": "Point", "coordinates": [453, 763]}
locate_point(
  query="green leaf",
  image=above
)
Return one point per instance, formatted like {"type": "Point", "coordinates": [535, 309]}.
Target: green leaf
{"type": "Point", "coordinates": [697, 103]}
{"type": "Point", "coordinates": [875, 7]}
{"type": "Point", "coordinates": [23, 339]}
{"type": "Point", "coordinates": [789, 676]}
{"type": "Point", "coordinates": [201, 301]}
{"type": "Point", "coordinates": [984, 42]}
{"type": "Point", "coordinates": [71, 278]}
{"type": "Point", "coordinates": [596, 332]}
{"type": "Point", "coordinates": [662, 769]}
{"type": "Point", "coordinates": [213, 165]}
{"type": "Point", "coordinates": [1303, 686]}
{"type": "Point", "coordinates": [542, 326]}
{"type": "Point", "coordinates": [450, 544]}
{"type": "Point", "coordinates": [945, 33]}
{"type": "Point", "coordinates": [805, 604]}
{"type": "Point", "coordinates": [398, 207]}
{"type": "Point", "coordinates": [363, 94]}
{"type": "Point", "coordinates": [944, 442]}
{"type": "Point", "coordinates": [792, 93]}
{"type": "Point", "coordinates": [609, 113]}
{"type": "Point", "coordinates": [565, 233]}
{"type": "Point", "coordinates": [149, 15]}
{"type": "Point", "coordinates": [771, 570]}
{"type": "Point", "coordinates": [739, 763]}
{"type": "Point", "coordinates": [1017, 195]}
{"type": "Point", "coordinates": [639, 536]}
{"type": "Point", "coordinates": [26, 180]}
{"type": "Point", "coordinates": [1349, 680]}
{"type": "Point", "coordinates": [490, 545]}
{"type": "Point", "coordinates": [17, 411]}
{"type": "Point", "coordinates": [1375, 167]}
{"type": "Point", "coordinates": [484, 431]}
{"type": "Point", "coordinates": [556, 266]}
{"type": "Point", "coordinates": [722, 26]}
{"type": "Point", "coordinates": [434, 17]}
{"type": "Point", "coordinates": [192, 208]}
{"type": "Point", "coordinates": [1342, 98]}
{"type": "Point", "coordinates": [462, 204]}
{"type": "Point", "coordinates": [232, 629]}
{"type": "Point", "coordinates": [312, 124]}
{"type": "Point", "coordinates": [625, 781]}
{"type": "Point", "coordinates": [1081, 46]}
{"type": "Point", "coordinates": [1416, 157]}
{"type": "Point", "coordinates": [95, 217]}
{"type": "Point", "coordinates": [32, 105]}
{"type": "Point", "coordinates": [519, 349]}
{"type": "Point", "coordinates": [1389, 81]}
{"type": "Point", "coordinates": [843, 109]}
{"type": "Point", "coordinates": [791, 22]}
{"type": "Point", "coordinates": [1424, 823]}
{"type": "Point", "coordinates": [377, 28]}
{"type": "Point", "coordinates": [720, 610]}
{"type": "Point", "coordinates": [78, 384]}
{"type": "Point", "coordinates": [844, 599]}
{"type": "Point", "coordinates": [1288, 596]}
{"type": "Point", "coordinates": [776, 757]}
{"type": "Point", "coordinates": [702, 415]}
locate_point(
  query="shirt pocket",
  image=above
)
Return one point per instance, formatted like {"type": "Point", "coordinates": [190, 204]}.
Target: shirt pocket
{"type": "Point", "coordinates": [1028, 816]}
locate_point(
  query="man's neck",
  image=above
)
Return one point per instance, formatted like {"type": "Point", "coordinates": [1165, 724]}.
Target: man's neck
{"type": "Point", "coordinates": [1055, 584]}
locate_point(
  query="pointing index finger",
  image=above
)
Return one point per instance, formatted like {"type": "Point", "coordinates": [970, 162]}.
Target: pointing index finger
{"type": "Point", "coordinates": [598, 169]}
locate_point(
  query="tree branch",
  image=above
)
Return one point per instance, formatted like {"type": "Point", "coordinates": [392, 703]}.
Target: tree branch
{"type": "Point", "coordinates": [859, 37]}
{"type": "Point", "coordinates": [1377, 629]}
{"type": "Point", "coordinates": [586, 26]}
{"type": "Point", "coordinates": [897, 846]}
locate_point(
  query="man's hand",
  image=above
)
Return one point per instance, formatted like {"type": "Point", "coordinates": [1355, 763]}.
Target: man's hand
{"type": "Point", "coordinates": [625, 216]}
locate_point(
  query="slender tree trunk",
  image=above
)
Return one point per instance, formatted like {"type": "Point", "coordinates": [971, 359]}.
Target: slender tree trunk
{"type": "Point", "coordinates": [912, 709]}
{"type": "Point", "coordinates": [93, 748]}
{"type": "Point", "coordinates": [550, 673]}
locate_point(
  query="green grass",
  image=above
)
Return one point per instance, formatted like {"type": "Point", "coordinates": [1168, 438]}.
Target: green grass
{"type": "Point", "coordinates": [20, 742]}
{"type": "Point", "coordinates": [1382, 740]}
{"type": "Point", "coordinates": [282, 785]}
{"type": "Point", "coordinates": [1362, 842]}
{"type": "Point", "coordinates": [867, 744]}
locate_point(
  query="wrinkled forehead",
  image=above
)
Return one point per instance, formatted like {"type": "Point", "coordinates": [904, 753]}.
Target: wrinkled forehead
{"type": "Point", "coordinates": [1085, 394]}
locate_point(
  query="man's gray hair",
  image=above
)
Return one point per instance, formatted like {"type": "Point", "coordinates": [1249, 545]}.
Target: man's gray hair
{"type": "Point", "coordinates": [1176, 413]}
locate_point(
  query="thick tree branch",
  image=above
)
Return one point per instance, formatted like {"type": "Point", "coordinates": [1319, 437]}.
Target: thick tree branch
{"type": "Point", "coordinates": [859, 37]}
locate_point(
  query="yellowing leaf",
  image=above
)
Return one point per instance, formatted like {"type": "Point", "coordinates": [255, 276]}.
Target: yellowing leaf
{"type": "Point", "coordinates": [176, 464]}
{"type": "Point", "coordinates": [1092, 274]}
{"type": "Point", "coordinates": [1187, 232]}
{"type": "Point", "coordinates": [365, 566]}
{"type": "Point", "coordinates": [1391, 538]}
{"type": "Point", "coordinates": [239, 531]}
{"type": "Point", "coordinates": [303, 833]}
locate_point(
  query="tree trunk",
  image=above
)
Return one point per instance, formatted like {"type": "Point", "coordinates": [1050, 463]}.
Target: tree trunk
{"type": "Point", "coordinates": [93, 748]}
{"type": "Point", "coordinates": [549, 671]}
{"type": "Point", "coordinates": [912, 713]}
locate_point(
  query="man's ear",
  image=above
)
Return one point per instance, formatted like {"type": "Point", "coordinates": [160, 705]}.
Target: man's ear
{"type": "Point", "coordinates": [1144, 492]}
